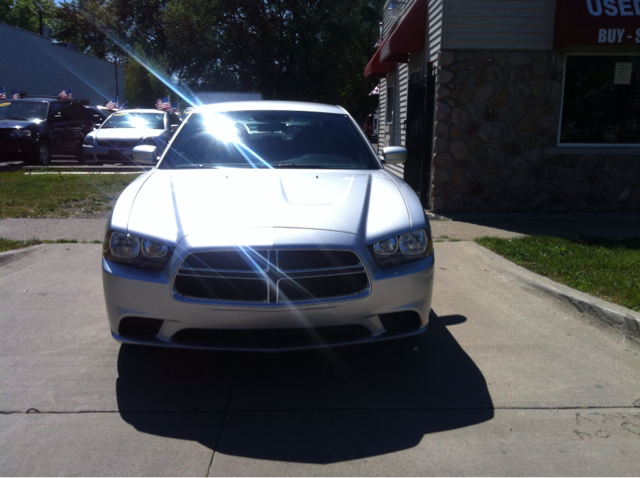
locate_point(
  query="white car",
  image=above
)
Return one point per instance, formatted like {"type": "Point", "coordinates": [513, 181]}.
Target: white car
{"type": "Point", "coordinates": [267, 226]}
{"type": "Point", "coordinates": [114, 141]}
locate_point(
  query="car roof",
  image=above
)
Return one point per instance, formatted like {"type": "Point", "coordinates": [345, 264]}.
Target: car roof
{"type": "Point", "coordinates": [271, 106]}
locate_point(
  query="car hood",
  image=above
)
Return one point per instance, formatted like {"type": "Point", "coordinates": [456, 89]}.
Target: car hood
{"type": "Point", "coordinates": [125, 133]}
{"type": "Point", "coordinates": [11, 123]}
{"type": "Point", "coordinates": [171, 204]}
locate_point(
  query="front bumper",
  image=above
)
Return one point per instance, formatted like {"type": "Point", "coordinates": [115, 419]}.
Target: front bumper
{"type": "Point", "coordinates": [99, 154]}
{"type": "Point", "coordinates": [16, 148]}
{"type": "Point", "coordinates": [397, 303]}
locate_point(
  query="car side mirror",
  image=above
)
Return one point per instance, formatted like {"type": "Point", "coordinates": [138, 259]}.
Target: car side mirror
{"type": "Point", "coordinates": [145, 154]}
{"type": "Point", "coordinates": [394, 154]}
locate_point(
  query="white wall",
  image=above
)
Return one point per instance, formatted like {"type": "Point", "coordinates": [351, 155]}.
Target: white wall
{"type": "Point", "coordinates": [38, 67]}
{"type": "Point", "coordinates": [499, 24]}
{"type": "Point", "coordinates": [435, 28]}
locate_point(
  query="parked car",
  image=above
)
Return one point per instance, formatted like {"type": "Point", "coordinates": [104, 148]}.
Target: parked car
{"type": "Point", "coordinates": [267, 225]}
{"type": "Point", "coordinates": [370, 126]}
{"type": "Point", "coordinates": [32, 129]}
{"type": "Point", "coordinates": [98, 114]}
{"type": "Point", "coordinates": [123, 130]}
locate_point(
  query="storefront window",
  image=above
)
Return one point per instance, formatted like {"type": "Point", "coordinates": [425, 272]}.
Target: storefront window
{"type": "Point", "coordinates": [601, 100]}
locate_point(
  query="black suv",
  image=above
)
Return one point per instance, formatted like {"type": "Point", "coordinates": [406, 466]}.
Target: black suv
{"type": "Point", "coordinates": [32, 129]}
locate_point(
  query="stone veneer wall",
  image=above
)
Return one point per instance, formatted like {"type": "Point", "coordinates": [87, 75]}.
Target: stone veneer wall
{"type": "Point", "coordinates": [496, 113]}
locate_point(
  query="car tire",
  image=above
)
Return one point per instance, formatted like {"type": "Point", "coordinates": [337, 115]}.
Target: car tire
{"type": "Point", "coordinates": [42, 154]}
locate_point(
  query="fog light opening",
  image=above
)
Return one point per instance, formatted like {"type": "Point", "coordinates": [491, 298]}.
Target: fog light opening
{"type": "Point", "coordinates": [139, 327]}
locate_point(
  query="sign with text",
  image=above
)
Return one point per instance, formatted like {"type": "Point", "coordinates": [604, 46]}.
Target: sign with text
{"type": "Point", "coordinates": [597, 22]}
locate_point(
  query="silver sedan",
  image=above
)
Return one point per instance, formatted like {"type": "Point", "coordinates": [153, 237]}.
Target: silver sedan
{"type": "Point", "coordinates": [267, 226]}
{"type": "Point", "coordinates": [116, 137]}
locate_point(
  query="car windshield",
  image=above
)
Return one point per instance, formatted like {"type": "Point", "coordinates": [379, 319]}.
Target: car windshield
{"type": "Point", "coordinates": [135, 120]}
{"type": "Point", "coordinates": [23, 110]}
{"type": "Point", "coordinates": [268, 139]}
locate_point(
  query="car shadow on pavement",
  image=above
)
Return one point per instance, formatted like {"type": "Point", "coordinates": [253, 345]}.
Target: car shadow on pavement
{"type": "Point", "coordinates": [319, 406]}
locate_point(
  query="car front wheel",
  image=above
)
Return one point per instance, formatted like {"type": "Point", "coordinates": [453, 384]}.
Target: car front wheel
{"type": "Point", "coordinates": [42, 156]}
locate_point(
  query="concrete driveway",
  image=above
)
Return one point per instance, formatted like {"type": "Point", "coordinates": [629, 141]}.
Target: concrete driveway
{"type": "Point", "coordinates": [508, 380]}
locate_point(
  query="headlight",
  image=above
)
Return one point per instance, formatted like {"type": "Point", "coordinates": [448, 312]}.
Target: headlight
{"type": "Point", "coordinates": [88, 140]}
{"type": "Point", "coordinates": [19, 133]}
{"type": "Point", "coordinates": [134, 251]}
{"type": "Point", "coordinates": [413, 243]}
{"type": "Point", "coordinates": [412, 246]}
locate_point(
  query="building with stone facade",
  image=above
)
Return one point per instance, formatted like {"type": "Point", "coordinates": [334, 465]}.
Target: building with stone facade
{"type": "Point", "coordinates": [513, 105]}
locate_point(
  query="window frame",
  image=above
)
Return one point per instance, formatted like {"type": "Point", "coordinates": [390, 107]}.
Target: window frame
{"type": "Point", "coordinates": [560, 144]}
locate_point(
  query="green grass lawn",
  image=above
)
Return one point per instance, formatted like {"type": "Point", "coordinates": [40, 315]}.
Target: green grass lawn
{"type": "Point", "coordinates": [59, 195]}
{"type": "Point", "coordinates": [605, 269]}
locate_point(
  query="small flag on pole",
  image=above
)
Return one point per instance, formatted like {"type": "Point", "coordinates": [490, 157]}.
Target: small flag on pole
{"type": "Point", "coordinates": [3, 95]}
{"type": "Point", "coordinates": [375, 91]}
{"type": "Point", "coordinates": [113, 104]}
{"type": "Point", "coordinates": [16, 94]}
{"type": "Point", "coordinates": [163, 103]}
{"type": "Point", "coordinates": [66, 94]}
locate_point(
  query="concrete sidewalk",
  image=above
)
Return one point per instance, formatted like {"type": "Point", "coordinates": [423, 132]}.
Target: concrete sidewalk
{"type": "Point", "coordinates": [455, 226]}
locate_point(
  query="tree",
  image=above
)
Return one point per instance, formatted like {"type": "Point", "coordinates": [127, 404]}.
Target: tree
{"type": "Point", "coordinates": [143, 87]}
{"type": "Point", "coordinates": [77, 21]}
{"type": "Point", "coordinates": [25, 14]}
{"type": "Point", "coordinates": [312, 50]}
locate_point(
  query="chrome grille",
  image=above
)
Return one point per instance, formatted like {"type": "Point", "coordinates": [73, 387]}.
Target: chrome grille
{"type": "Point", "coordinates": [119, 143]}
{"type": "Point", "coordinates": [271, 277]}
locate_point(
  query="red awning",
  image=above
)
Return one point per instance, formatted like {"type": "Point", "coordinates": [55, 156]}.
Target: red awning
{"type": "Point", "coordinates": [408, 37]}
{"type": "Point", "coordinates": [376, 69]}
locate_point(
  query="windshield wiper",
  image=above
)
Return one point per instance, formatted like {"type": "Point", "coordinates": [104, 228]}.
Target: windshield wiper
{"type": "Point", "coordinates": [196, 166]}
{"type": "Point", "coordinates": [300, 166]}
{"type": "Point", "coordinates": [16, 118]}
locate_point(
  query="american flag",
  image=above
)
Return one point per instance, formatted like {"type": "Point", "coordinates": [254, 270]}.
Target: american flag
{"type": "Point", "coordinates": [174, 107]}
{"type": "Point", "coordinates": [3, 95]}
{"type": "Point", "coordinates": [66, 94]}
{"type": "Point", "coordinates": [16, 94]}
{"type": "Point", "coordinates": [113, 104]}
{"type": "Point", "coordinates": [163, 103]}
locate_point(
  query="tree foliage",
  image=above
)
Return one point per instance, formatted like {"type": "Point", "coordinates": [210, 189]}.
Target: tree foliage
{"type": "Point", "coordinates": [25, 13]}
{"type": "Point", "coordinates": [79, 22]}
{"type": "Point", "coordinates": [309, 50]}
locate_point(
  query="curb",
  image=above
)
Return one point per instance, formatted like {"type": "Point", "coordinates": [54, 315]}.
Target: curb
{"type": "Point", "coordinates": [625, 321]}
{"type": "Point", "coordinates": [15, 254]}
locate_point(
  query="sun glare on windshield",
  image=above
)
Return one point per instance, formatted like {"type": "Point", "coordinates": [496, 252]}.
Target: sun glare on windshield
{"type": "Point", "coordinates": [221, 128]}
{"type": "Point", "coordinates": [138, 122]}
